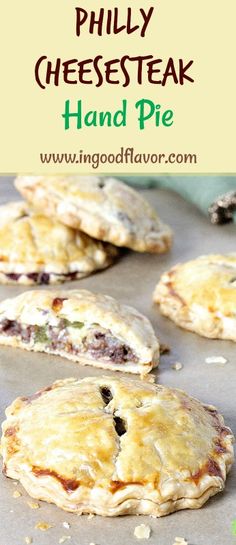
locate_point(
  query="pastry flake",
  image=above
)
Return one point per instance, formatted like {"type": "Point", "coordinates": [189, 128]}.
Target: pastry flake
{"type": "Point", "coordinates": [143, 531]}
{"type": "Point", "coordinates": [200, 295]}
{"type": "Point", "coordinates": [36, 249]}
{"type": "Point", "coordinates": [104, 208]}
{"type": "Point", "coordinates": [114, 446]}
{"type": "Point", "coordinates": [85, 327]}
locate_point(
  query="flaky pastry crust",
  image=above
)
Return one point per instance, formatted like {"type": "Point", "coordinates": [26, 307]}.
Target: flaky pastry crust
{"type": "Point", "coordinates": [115, 446]}
{"type": "Point", "coordinates": [104, 208]}
{"type": "Point", "coordinates": [200, 295]}
{"type": "Point", "coordinates": [36, 249]}
{"type": "Point", "coordinates": [82, 326]}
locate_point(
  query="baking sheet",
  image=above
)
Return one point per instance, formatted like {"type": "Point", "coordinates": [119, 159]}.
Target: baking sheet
{"type": "Point", "coordinates": [132, 279]}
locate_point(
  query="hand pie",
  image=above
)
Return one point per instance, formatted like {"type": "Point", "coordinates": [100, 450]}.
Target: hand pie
{"type": "Point", "coordinates": [82, 326]}
{"type": "Point", "coordinates": [104, 208]}
{"type": "Point", "coordinates": [200, 295]}
{"type": "Point", "coordinates": [116, 446]}
{"type": "Point", "coordinates": [36, 249]}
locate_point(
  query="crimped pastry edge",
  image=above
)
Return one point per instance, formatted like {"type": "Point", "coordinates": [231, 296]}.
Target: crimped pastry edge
{"type": "Point", "coordinates": [156, 242]}
{"type": "Point", "coordinates": [187, 317]}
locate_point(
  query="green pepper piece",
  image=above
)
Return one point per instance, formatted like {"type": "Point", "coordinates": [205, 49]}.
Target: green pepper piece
{"type": "Point", "coordinates": [67, 323]}
{"type": "Point", "coordinates": [40, 335]}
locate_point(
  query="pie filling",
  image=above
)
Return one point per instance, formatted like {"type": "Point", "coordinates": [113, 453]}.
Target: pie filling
{"type": "Point", "coordinates": [96, 342]}
{"type": "Point", "coordinates": [41, 277]}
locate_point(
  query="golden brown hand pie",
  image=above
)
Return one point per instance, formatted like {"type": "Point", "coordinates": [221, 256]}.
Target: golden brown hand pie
{"type": "Point", "coordinates": [85, 327]}
{"type": "Point", "coordinates": [36, 249]}
{"type": "Point", "coordinates": [116, 446]}
{"type": "Point", "coordinates": [200, 295]}
{"type": "Point", "coordinates": [104, 208]}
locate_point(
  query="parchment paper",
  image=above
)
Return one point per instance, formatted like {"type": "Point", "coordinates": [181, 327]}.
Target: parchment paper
{"type": "Point", "coordinates": [132, 280]}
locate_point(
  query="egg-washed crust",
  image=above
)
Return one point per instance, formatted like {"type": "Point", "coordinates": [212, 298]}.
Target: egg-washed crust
{"type": "Point", "coordinates": [36, 249]}
{"type": "Point", "coordinates": [85, 327]}
{"type": "Point", "coordinates": [116, 446]}
{"type": "Point", "coordinates": [104, 208]}
{"type": "Point", "coordinates": [200, 295]}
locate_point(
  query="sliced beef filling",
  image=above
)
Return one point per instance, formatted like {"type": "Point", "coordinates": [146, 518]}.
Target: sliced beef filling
{"type": "Point", "coordinates": [10, 327]}
{"type": "Point", "coordinates": [40, 277]}
{"type": "Point", "coordinates": [98, 344]}
{"type": "Point", "coordinates": [104, 345]}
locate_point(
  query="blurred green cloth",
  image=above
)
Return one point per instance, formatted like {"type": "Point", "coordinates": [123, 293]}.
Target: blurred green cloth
{"type": "Point", "coordinates": [201, 191]}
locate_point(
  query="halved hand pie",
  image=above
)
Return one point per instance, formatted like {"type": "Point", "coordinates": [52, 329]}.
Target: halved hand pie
{"type": "Point", "coordinates": [85, 327]}
{"type": "Point", "coordinates": [104, 208]}
{"type": "Point", "coordinates": [200, 295]}
{"type": "Point", "coordinates": [36, 249]}
{"type": "Point", "coordinates": [116, 446]}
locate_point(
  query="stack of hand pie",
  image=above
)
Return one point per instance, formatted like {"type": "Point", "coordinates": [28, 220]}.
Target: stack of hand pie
{"type": "Point", "coordinates": [72, 226]}
{"type": "Point", "coordinates": [69, 227]}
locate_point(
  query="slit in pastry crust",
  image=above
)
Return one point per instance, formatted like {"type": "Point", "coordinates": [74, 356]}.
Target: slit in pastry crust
{"type": "Point", "coordinates": [115, 446]}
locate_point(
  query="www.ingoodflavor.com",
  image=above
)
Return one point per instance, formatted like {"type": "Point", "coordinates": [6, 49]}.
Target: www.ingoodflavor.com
{"type": "Point", "coordinates": [126, 156]}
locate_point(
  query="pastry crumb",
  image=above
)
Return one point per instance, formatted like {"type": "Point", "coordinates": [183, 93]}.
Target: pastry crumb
{"type": "Point", "coordinates": [16, 494]}
{"type": "Point", "coordinates": [33, 504]}
{"type": "Point", "coordinates": [142, 532]}
{"type": "Point", "coordinates": [66, 525]}
{"type": "Point", "coordinates": [28, 540]}
{"type": "Point", "coordinates": [216, 359]}
{"type": "Point", "coordinates": [63, 539]}
{"type": "Point", "coordinates": [177, 366]}
{"type": "Point", "coordinates": [43, 526]}
{"type": "Point", "coordinates": [180, 541]}
{"type": "Point", "coordinates": [90, 516]}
